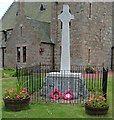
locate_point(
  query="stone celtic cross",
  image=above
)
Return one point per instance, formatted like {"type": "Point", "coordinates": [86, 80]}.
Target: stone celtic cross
{"type": "Point", "coordinates": [65, 18]}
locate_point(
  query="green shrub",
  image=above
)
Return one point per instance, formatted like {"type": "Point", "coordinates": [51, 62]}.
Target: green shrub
{"type": "Point", "coordinates": [8, 72]}
{"type": "Point", "coordinates": [9, 68]}
{"type": "Point", "coordinates": [90, 69]}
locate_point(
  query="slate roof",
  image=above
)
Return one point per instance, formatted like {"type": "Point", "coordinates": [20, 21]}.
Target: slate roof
{"type": "Point", "coordinates": [42, 30]}
{"type": "Point", "coordinates": [9, 18]}
{"type": "Point", "coordinates": [32, 10]}
{"type": "Point", "coordinates": [40, 20]}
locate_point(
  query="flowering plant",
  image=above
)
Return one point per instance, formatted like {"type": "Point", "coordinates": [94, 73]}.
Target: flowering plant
{"type": "Point", "coordinates": [17, 93]}
{"type": "Point", "coordinates": [97, 101]}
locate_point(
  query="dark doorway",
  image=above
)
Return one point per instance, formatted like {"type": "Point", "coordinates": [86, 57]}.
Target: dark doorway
{"type": "Point", "coordinates": [112, 59]}
{"type": "Point", "coordinates": [3, 52]}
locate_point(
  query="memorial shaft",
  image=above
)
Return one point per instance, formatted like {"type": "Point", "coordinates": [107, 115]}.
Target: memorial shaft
{"type": "Point", "coordinates": [65, 18]}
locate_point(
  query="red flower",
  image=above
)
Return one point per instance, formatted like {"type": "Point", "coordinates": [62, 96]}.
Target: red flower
{"type": "Point", "coordinates": [13, 89]}
{"type": "Point", "coordinates": [91, 98]}
{"type": "Point", "coordinates": [101, 97]}
{"type": "Point", "coordinates": [10, 92]}
{"type": "Point", "coordinates": [18, 97]}
{"type": "Point", "coordinates": [6, 89]}
{"type": "Point", "coordinates": [27, 94]}
{"type": "Point", "coordinates": [97, 100]}
{"type": "Point", "coordinates": [21, 93]}
{"type": "Point", "coordinates": [88, 103]}
{"type": "Point", "coordinates": [24, 89]}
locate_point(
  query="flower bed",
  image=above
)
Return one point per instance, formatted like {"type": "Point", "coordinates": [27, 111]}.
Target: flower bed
{"type": "Point", "coordinates": [15, 104]}
{"type": "Point", "coordinates": [96, 105]}
{"type": "Point", "coordinates": [16, 98]}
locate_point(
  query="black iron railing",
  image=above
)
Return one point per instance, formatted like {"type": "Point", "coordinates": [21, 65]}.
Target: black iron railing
{"type": "Point", "coordinates": [48, 85]}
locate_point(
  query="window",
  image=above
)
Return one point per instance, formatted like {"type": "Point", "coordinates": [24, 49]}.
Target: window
{"type": "Point", "coordinates": [56, 3]}
{"type": "Point", "coordinates": [90, 10]}
{"type": "Point", "coordinates": [24, 54]}
{"type": "Point", "coordinates": [5, 35]}
{"type": "Point", "coordinates": [100, 35]}
{"type": "Point", "coordinates": [21, 29]}
{"type": "Point", "coordinates": [42, 7]}
{"type": "Point", "coordinates": [60, 50]}
{"type": "Point", "coordinates": [89, 51]}
{"type": "Point", "coordinates": [18, 54]}
{"type": "Point", "coordinates": [3, 52]}
{"type": "Point", "coordinates": [17, 13]}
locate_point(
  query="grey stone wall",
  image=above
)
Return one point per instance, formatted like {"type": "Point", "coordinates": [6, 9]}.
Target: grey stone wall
{"type": "Point", "coordinates": [91, 37]}
{"type": "Point", "coordinates": [112, 24]}
{"type": "Point", "coordinates": [16, 40]}
{"type": "Point", "coordinates": [46, 56]}
{"type": "Point", "coordinates": [32, 43]}
{"type": "Point", "coordinates": [25, 34]}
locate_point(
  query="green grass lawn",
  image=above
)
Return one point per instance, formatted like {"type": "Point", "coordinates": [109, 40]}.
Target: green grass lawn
{"type": "Point", "coordinates": [8, 72]}
{"type": "Point", "coordinates": [54, 110]}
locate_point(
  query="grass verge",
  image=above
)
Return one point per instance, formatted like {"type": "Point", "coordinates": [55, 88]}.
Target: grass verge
{"type": "Point", "coordinates": [54, 110]}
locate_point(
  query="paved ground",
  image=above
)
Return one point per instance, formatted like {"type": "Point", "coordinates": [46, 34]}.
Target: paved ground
{"type": "Point", "coordinates": [97, 75]}
{"type": "Point", "coordinates": [111, 73]}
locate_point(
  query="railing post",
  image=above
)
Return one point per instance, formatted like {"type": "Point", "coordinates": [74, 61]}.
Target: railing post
{"type": "Point", "coordinates": [40, 82]}
{"type": "Point", "coordinates": [17, 75]}
{"type": "Point", "coordinates": [104, 82]}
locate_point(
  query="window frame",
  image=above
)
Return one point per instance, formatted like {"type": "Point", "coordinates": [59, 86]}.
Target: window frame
{"type": "Point", "coordinates": [18, 54]}
{"type": "Point", "coordinates": [24, 54]}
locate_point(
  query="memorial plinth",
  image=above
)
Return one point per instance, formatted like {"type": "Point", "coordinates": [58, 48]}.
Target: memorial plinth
{"type": "Point", "coordinates": [73, 82]}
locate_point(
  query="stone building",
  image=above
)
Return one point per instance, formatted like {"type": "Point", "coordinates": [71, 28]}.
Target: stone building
{"type": "Point", "coordinates": [26, 35]}
{"type": "Point", "coordinates": [91, 33]}
{"type": "Point", "coordinates": [31, 34]}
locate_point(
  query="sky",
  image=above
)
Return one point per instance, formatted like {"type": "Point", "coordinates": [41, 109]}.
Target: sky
{"type": "Point", "coordinates": [4, 5]}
